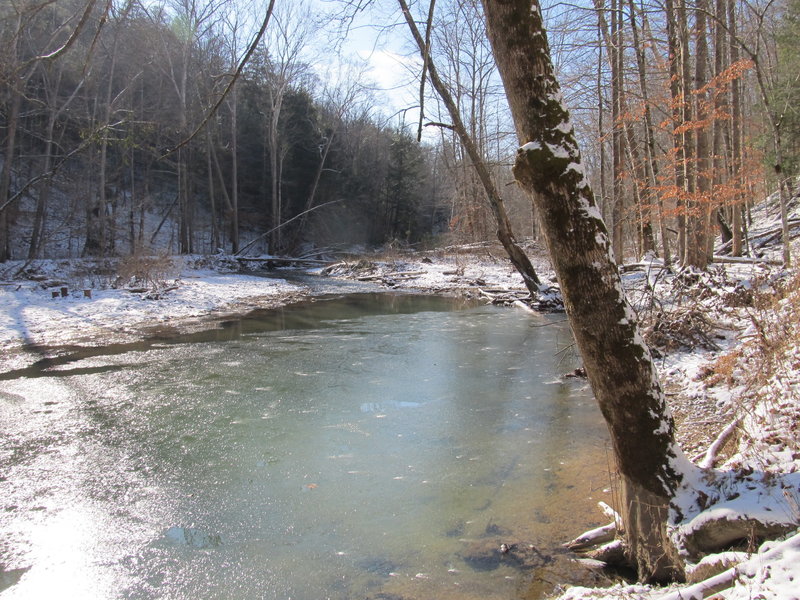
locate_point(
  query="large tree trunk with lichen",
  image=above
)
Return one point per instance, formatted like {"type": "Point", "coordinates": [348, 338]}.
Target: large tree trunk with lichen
{"type": "Point", "coordinates": [618, 363]}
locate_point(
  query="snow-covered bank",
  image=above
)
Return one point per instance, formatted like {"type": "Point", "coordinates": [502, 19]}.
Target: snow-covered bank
{"type": "Point", "coordinates": [106, 302]}
{"type": "Point", "coordinates": [33, 310]}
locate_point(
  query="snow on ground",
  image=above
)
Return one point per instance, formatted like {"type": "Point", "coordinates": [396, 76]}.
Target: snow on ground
{"type": "Point", "coordinates": [478, 266]}
{"type": "Point", "coordinates": [33, 311]}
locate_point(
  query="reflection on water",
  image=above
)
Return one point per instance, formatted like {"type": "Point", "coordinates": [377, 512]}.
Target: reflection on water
{"type": "Point", "coordinates": [369, 446]}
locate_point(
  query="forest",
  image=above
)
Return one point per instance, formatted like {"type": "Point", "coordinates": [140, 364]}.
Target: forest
{"type": "Point", "coordinates": [178, 126]}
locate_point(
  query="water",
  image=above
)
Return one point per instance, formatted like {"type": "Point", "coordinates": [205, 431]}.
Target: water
{"type": "Point", "coordinates": [364, 446]}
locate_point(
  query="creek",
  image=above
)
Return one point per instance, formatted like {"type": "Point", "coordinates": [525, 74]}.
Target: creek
{"type": "Point", "coordinates": [357, 446]}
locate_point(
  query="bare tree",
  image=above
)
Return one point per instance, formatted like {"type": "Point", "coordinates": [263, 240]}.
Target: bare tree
{"type": "Point", "coordinates": [736, 134]}
{"type": "Point", "coordinates": [18, 71]}
{"type": "Point", "coordinates": [504, 231]}
{"type": "Point", "coordinates": [698, 213]}
{"type": "Point", "coordinates": [284, 67]}
{"type": "Point", "coordinates": [52, 77]}
{"type": "Point", "coordinates": [340, 99]}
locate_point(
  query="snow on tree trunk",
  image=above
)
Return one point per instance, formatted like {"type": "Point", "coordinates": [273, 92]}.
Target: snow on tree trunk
{"type": "Point", "coordinates": [617, 361]}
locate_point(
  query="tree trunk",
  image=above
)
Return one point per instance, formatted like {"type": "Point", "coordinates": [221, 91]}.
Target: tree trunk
{"type": "Point", "coordinates": [312, 193]}
{"type": "Point", "coordinates": [736, 137]}
{"type": "Point", "coordinates": [95, 235]}
{"type": "Point", "coordinates": [106, 231]}
{"type": "Point", "coordinates": [617, 138]}
{"type": "Point", "coordinates": [212, 196]}
{"type": "Point", "coordinates": [276, 102]}
{"type": "Point", "coordinates": [627, 145]}
{"type": "Point", "coordinates": [718, 152]}
{"type": "Point", "coordinates": [234, 171]}
{"type": "Point", "coordinates": [5, 172]}
{"type": "Point", "coordinates": [40, 216]}
{"type": "Point", "coordinates": [651, 165]}
{"type": "Point", "coordinates": [603, 201]}
{"type": "Point", "coordinates": [683, 81]}
{"type": "Point", "coordinates": [618, 363]}
{"type": "Point", "coordinates": [697, 219]}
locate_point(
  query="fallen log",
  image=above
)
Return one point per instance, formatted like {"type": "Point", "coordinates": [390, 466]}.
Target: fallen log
{"type": "Point", "coordinates": [745, 260]}
{"type": "Point", "coordinates": [520, 304]}
{"type": "Point", "coordinates": [282, 260]}
{"type": "Point", "coordinates": [760, 239]}
{"type": "Point", "coordinates": [642, 266]}
{"type": "Point", "coordinates": [613, 554]}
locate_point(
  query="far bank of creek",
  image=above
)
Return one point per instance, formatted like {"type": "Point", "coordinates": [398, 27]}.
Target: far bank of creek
{"type": "Point", "coordinates": [354, 446]}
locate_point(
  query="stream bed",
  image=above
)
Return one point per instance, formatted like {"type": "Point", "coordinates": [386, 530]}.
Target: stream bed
{"type": "Point", "coordinates": [357, 446]}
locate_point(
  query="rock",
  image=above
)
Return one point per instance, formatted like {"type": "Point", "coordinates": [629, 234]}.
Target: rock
{"type": "Point", "coordinates": [489, 554]}
{"type": "Point", "coordinates": [188, 536]}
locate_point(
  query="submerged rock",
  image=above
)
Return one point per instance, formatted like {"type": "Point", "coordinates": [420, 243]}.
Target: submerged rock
{"type": "Point", "coordinates": [378, 565]}
{"type": "Point", "coordinates": [188, 536]}
{"type": "Point", "coordinates": [543, 571]}
{"type": "Point", "coordinates": [489, 554]}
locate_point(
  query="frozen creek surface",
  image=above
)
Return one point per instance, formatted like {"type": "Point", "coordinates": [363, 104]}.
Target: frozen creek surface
{"type": "Point", "coordinates": [356, 446]}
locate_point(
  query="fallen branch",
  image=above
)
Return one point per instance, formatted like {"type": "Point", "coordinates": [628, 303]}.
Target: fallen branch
{"type": "Point", "coordinates": [610, 513]}
{"type": "Point", "coordinates": [486, 294]}
{"type": "Point", "coordinates": [408, 274]}
{"type": "Point", "coordinates": [263, 235]}
{"type": "Point", "coordinates": [506, 297]}
{"type": "Point", "coordinates": [716, 446]}
{"type": "Point", "coordinates": [282, 259]}
{"type": "Point", "coordinates": [593, 537]}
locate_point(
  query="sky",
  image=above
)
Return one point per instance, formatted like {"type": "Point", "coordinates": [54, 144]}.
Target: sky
{"type": "Point", "coordinates": [379, 39]}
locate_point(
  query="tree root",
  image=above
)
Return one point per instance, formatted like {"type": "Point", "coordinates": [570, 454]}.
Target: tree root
{"type": "Point", "coordinates": [728, 578]}
{"type": "Point", "coordinates": [707, 534]}
{"type": "Point", "coordinates": [720, 532]}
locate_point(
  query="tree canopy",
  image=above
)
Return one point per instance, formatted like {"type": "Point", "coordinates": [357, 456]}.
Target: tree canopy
{"type": "Point", "coordinates": [130, 126]}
